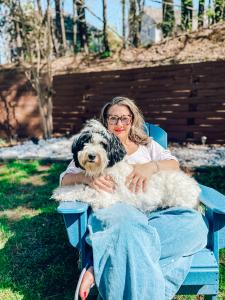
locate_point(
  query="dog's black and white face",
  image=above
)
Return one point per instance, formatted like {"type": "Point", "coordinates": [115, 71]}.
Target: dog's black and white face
{"type": "Point", "coordinates": [95, 148]}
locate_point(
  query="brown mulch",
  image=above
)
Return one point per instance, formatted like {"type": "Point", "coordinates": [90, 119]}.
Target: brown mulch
{"type": "Point", "coordinates": [203, 45]}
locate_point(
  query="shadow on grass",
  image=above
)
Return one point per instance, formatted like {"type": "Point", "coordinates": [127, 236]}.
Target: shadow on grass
{"type": "Point", "coordinates": [14, 193]}
{"type": "Point", "coordinates": [36, 260]}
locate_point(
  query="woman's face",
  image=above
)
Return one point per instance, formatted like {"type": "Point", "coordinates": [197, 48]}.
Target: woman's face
{"type": "Point", "coordinates": [119, 121]}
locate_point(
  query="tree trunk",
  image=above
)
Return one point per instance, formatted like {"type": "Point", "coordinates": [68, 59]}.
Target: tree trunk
{"type": "Point", "coordinates": [201, 8]}
{"type": "Point", "coordinates": [133, 23]}
{"type": "Point", "coordinates": [219, 7]}
{"type": "Point", "coordinates": [82, 26]}
{"type": "Point", "coordinates": [63, 29]}
{"type": "Point", "coordinates": [105, 33]}
{"type": "Point", "coordinates": [123, 23]}
{"type": "Point", "coordinates": [136, 13]}
{"type": "Point", "coordinates": [60, 27]}
{"type": "Point", "coordinates": [74, 27]}
{"type": "Point", "coordinates": [186, 14]}
{"type": "Point", "coordinates": [141, 5]}
{"type": "Point", "coordinates": [168, 18]}
{"type": "Point", "coordinates": [49, 121]}
{"type": "Point", "coordinates": [16, 37]}
{"type": "Point", "coordinates": [224, 11]}
{"type": "Point", "coordinates": [19, 47]}
{"type": "Point", "coordinates": [39, 7]}
{"type": "Point", "coordinates": [10, 131]}
{"type": "Point", "coordinates": [211, 17]}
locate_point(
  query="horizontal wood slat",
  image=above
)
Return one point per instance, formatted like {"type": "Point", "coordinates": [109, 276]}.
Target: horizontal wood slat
{"type": "Point", "coordinates": [187, 100]}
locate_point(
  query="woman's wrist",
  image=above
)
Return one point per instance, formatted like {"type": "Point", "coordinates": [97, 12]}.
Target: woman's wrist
{"type": "Point", "coordinates": [156, 166]}
{"type": "Point", "coordinates": [72, 179]}
{"type": "Point", "coordinates": [164, 165]}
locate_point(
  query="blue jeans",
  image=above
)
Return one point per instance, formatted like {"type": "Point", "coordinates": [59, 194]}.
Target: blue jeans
{"type": "Point", "coordinates": [138, 256]}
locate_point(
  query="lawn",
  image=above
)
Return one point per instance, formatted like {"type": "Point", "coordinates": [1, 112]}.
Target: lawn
{"type": "Point", "coordinates": [36, 259]}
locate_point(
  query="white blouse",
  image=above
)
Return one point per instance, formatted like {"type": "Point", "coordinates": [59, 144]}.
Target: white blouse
{"type": "Point", "coordinates": [145, 153]}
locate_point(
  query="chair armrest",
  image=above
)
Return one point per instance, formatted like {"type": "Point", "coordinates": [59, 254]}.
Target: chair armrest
{"type": "Point", "coordinates": [212, 199]}
{"type": "Point", "coordinates": [75, 216]}
{"type": "Point", "coordinates": [215, 214]}
{"type": "Point", "coordinates": [75, 207]}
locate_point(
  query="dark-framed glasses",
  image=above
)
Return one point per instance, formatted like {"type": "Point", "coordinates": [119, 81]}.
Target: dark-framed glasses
{"type": "Point", "coordinates": [113, 119]}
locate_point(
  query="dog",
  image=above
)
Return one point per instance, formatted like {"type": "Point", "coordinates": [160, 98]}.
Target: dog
{"type": "Point", "coordinates": [99, 152]}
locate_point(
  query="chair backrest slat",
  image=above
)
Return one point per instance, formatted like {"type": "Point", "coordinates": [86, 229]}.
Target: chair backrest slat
{"type": "Point", "coordinates": [157, 133]}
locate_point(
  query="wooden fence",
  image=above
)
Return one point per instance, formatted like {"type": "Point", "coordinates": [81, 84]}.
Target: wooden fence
{"type": "Point", "coordinates": [19, 113]}
{"type": "Point", "coordinates": [187, 100]}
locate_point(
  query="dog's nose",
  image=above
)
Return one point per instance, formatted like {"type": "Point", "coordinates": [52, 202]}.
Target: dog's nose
{"type": "Point", "coordinates": [91, 157]}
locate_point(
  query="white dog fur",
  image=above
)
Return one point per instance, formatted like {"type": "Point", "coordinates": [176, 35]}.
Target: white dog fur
{"type": "Point", "coordinates": [99, 152]}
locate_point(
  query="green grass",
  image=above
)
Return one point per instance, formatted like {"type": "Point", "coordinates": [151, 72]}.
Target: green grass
{"type": "Point", "coordinates": [35, 257]}
{"type": "Point", "coordinates": [36, 260]}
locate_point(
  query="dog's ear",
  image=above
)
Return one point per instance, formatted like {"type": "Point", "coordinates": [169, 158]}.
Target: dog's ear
{"type": "Point", "coordinates": [116, 151]}
{"type": "Point", "coordinates": [78, 145]}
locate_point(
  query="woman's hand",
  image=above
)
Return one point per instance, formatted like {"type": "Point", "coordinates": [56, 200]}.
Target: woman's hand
{"type": "Point", "coordinates": [138, 178]}
{"type": "Point", "coordinates": [102, 183]}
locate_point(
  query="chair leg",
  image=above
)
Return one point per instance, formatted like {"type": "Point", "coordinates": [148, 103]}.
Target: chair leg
{"type": "Point", "coordinates": [210, 297]}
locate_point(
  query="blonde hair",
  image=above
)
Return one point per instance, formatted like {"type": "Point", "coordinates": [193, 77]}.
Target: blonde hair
{"type": "Point", "coordinates": [137, 133]}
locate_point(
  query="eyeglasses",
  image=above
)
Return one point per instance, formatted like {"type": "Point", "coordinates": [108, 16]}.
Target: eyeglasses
{"type": "Point", "coordinates": [125, 119]}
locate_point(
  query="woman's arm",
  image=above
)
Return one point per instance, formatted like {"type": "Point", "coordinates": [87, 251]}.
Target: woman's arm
{"type": "Point", "coordinates": [71, 179]}
{"type": "Point", "coordinates": [164, 165]}
{"type": "Point", "coordinates": [104, 183]}
{"type": "Point", "coordinates": [137, 180]}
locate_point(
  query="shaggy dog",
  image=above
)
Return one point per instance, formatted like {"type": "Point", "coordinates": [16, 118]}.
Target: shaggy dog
{"type": "Point", "coordinates": [99, 152]}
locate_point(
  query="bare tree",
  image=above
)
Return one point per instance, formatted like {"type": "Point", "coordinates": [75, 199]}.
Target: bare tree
{"type": "Point", "coordinates": [201, 8]}
{"type": "Point", "coordinates": [81, 25]}
{"type": "Point", "coordinates": [39, 52]}
{"type": "Point", "coordinates": [16, 33]}
{"type": "Point", "coordinates": [124, 23]}
{"type": "Point", "coordinates": [140, 5]}
{"type": "Point", "coordinates": [34, 31]}
{"type": "Point", "coordinates": [60, 25]}
{"type": "Point", "coordinates": [74, 26]}
{"type": "Point", "coordinates": [136, 13]}
{"type": "Point", "coordinates": [105, 29]}
{"type": "Point", "coordinates": [39, 7]}
{"type": "Point", "coordinates": [132, 19]}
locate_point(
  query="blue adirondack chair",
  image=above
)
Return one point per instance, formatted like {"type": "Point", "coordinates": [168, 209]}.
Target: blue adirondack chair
{"type": "Point", "coordinates": [203, 276]}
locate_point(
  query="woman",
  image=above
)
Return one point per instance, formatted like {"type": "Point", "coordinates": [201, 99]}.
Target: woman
{"type": "Point", "coordinates": [137, 256]}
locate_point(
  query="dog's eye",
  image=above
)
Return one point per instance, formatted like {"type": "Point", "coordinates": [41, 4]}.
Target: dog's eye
{"type": "Point", "coordinates": [104, 145]}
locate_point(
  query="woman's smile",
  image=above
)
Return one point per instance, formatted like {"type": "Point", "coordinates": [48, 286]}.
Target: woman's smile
{"type": "Point", "coordinates": [118, 130]}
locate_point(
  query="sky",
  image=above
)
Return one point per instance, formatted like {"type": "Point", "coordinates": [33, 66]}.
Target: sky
{"type": "Point", "coordinates": [114, 14]}
{"type": "Point", "coordinates": [114, 11]}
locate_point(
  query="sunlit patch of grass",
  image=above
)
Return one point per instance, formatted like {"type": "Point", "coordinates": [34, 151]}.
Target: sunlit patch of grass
{"type": "Point", "coordinates": [8, 294]}
{"type": "Point", "coordinates": [18, 213]}
{"type": "Point", "coordinates": [15, 171]}
{"type": "Point", "coordinates": [5, 232]}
